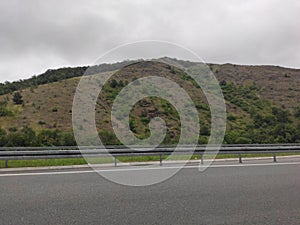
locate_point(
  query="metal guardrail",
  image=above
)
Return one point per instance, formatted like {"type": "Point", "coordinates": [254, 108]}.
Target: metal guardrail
{"type": "Point", "coordinates": [23, 153]}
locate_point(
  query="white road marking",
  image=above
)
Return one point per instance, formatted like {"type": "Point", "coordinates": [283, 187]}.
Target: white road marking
{"type": "Point", "coordinates": [141, 169]}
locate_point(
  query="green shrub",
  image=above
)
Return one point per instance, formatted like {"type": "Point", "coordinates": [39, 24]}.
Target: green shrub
{"type": "Point", "coordinates": [297, 112]}
{"type": "Point", "coordinates": [5, 112]}
{"type": "Point", "coordinates": [17, 98]}
{"type": "Point", "coordinates": [231, 117]}
{"type": "Point", "coordinates": [243, 140]}
{"type": "Point", "coordinates": [113, 83]}
{"type": "Point", "coordinates": [108, 138]}
{"type": "Point", "coordinates": [41, 122]}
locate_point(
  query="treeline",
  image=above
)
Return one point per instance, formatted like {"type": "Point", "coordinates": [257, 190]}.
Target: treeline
{"type": "Point", "coordinates": [27, 137]}
{"type": "Point", "coordinates": [59, 74]}
{"type": "Point", "coordinates": [47, 77]}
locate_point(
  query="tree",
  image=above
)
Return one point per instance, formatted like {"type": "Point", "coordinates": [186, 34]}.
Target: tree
{"type": "Point", "coordinates": [48, 138]}
{"type": "Point", "coordinates": [113, 83]}
{"type": "Point", "coordinates": [18, 98]}
{"type": "Point", "coordinates": [223, 83]}
{"type": "Point", "coordinates": [121, 83]}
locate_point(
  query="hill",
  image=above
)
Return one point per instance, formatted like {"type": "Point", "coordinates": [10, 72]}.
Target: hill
{"type": "Point", "coordinates": [262, 104]}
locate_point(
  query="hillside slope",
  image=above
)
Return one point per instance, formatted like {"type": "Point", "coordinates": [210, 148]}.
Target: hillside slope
{"type": "Point", "coordinates": [261, 101]}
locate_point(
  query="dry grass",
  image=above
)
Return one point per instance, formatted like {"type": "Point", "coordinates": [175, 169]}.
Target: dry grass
{"type": "Point", "coordinates": [49, 106]}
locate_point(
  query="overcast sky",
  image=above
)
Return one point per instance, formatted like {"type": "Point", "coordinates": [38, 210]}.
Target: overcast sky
{"type": "Point", "coordinates": [36, 35]}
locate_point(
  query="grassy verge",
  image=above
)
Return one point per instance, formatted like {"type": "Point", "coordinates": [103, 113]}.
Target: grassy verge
{"type": "Point", "coordinates": [102, 160]}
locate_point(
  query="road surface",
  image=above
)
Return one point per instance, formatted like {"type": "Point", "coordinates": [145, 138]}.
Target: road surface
{"type": "Point", "coordinates": [230, 194]}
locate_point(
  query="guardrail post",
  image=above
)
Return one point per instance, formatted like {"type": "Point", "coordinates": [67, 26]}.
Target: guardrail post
{"type": "Point", "coordinates": [274, 157]}
{"type": "Point", "coordinates": [116, 163]}
{"type": "Point", "coordinates": [201, 157]}
{"type": "Point", "coordinates": [6, 163]}
{"type": "Point", "coordinates": [160, 159]}
{"type": "Point", "coordinates": [240, 158]}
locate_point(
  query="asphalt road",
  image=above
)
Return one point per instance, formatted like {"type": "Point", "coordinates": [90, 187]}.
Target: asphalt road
{"type": "Point", "coordinates": [262, 194]}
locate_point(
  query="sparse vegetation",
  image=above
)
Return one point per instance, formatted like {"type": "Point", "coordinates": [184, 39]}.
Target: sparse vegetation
{"type": "Point", "coordinates": [4, 112]}
{"type": "Point", "coordinates": [257, 112]}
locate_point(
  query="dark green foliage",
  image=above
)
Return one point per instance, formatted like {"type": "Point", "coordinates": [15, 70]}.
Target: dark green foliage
{"type": "Point", "coordinates": [48, 138]}
{"type": "Point", "coordinates": [67, 139]}
{"type": "Point", "coordinates": [231, 117]}
{"type": "Point", "coordinates": [204, 130]}
{"type": "Point", "coordinates": [51, 76]}
{"type": "Point", "coordinates": [223, 83]}
{"type": "Point", "coordinates": [12, 129]}
{"type": "Point", "coordinates": [297, 112]}
{"type": "Point", "coordinates": [41, 122]}
{"type": "Point", "coordinates": [132, 125]}
{"type": "Point", "coordinates": [121, 83]}
{"type": "Point", "coordinates": [2, 137]}
{"type": "Point", "coordinates": [47, 77]}
{"type": "Point", "coordinates": [18, 99]}
{"type": "Point", "coordinates": [261, 121]}
{"type": "Point", "coordinates": [272, 128]}
{"type": "Point", "coordinates": [28, 137]}
{"type": "Point", "coordinates": [14, 139]}
{"type": "Point", "coordinates": [25, 137]}
{"type": "Point", "coordinates": [243, 140]}
{"type": "Point", "coordinates": [281, 115]}
{"type": "Point", "coordinates": [108, 138]}
{"type": "Point", "coordinates": [231, 136]}
{"type": "Point", "coordinates": [145, 120]}
{"type": "Point", "coordinates": [203, 140]}
{"type": "Point", "coordinates": [243, 96]}
{"type": "Point", "coordinates": [113, 83]}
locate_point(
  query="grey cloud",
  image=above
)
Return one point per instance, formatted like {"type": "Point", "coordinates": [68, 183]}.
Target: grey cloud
{"type": "Point", "coordinates": [37, 35]}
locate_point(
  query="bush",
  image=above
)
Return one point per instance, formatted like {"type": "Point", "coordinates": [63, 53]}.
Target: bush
{"type": "Point", "coordinates": [5, 112]}
{"type": "Point", "coordinates": [243, 140]}
{"type": "Point", "coordinates": [41, 122]}
{"type": "Point", "coordinates": [12, 129]}
{"type": "Point", "coordinates": [231, 137]}
{"type": "Point", "coordinates": [281, 115]}
{"type": "Point", "coordinates": [49, 138]}
{"type": "Point", "coordinates": [18, 98]}
{"type": "Point", "coordinates": [108, 138]}
{"type": "Point", "coordinates": [231, 117]}
{"type": "Point", "coordinates": [67, 139]}
{"type": "Point", "coordinates": [203, 140]}
{"type": "Point", "coordinates": [113, 83]}
{"type": "Point", "coordinates": [223, 83]}
{"type": "Point", "coordinates": [297, 112]}
{"type": "Point", "coordinates": [204, 130]}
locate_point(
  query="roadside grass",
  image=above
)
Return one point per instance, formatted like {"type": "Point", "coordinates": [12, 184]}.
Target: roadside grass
{"type": "Point", "coordinates": [103, 160]}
